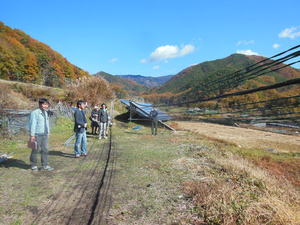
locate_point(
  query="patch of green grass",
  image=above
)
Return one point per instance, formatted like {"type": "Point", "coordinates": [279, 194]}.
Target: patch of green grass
{"type": "Point", "coordinates": [255, 154]}
{"type": "Point", "coordinates": [17, 222]}
{"type": "Point", "coordinates": [62, 130]}
{"type": "Point", "coordinates": [150, 184]}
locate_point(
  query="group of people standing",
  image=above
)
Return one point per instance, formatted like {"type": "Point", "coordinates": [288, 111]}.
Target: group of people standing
{"type": "Point", "coordinates": [39, 131]}
{"type": "Point", "coordinates": [100, 119]}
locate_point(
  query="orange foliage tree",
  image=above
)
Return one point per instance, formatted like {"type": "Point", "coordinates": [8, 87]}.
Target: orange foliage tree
{"type": "Point", "coordinates": [94, 90]}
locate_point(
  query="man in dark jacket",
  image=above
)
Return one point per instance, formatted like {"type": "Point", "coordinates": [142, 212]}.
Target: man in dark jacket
{"type": "Point", "coordinates": [154, 121]}
{"type": "Point", "coordinates": [80, 126]}
{"type": "Point", "coordinates": [103, 115]}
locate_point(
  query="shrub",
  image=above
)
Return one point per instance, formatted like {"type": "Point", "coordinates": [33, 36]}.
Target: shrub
{"type": "Point", "coordinates": [95, 90]}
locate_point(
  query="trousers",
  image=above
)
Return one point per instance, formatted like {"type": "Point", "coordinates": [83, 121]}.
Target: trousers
{"type": "Point", "coordinates": [154, 124]}
{"type": "Point", "coordinates": [42, 147]}
{"type": "Point", "coordinates": [103, 129]}
{"type": "Point", "coordinates": [80, 143]}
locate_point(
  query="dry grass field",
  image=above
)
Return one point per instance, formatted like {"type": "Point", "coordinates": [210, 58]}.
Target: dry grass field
{"type": "Point", "coordinates": [247, 138]}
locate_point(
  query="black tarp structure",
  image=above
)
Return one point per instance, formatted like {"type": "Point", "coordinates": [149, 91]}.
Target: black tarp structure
{"type": "Point", "coordinates": [143, 111]}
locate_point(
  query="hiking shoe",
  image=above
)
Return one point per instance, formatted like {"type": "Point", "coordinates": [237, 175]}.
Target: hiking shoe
{"type": "Point", "coordinates": [105, 137]}
{"type": "Point", "coordinates": [34, 168]}
{"type": "Point", "coordinates": [84, 154]}
{"type": "Point", "coordinates": [48, 168]}
{"type": "Point", "coordinates": [77, 156]}
{"type": "Point", "coordinates": [100, 138]}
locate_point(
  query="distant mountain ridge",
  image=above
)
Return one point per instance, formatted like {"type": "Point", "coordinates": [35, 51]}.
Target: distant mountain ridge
{"type": "Point", "coordinates": [25, 59]}
{"type": "Point", "coordinates": [148, 81]}
{"type": "Point", "coordinates": [122, 85]}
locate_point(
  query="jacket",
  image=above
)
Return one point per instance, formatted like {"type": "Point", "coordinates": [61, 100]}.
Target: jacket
{"type": "Point", "coordinates": [37, 124]}
{"type": "Point", "coordinates": [153, 114]}
{"type": "Point", "coordinates": [103, 114]}
{"type": "Point", "coordinates": [80, 121]}
{"type": "Point", "coordinates": [94, 115]}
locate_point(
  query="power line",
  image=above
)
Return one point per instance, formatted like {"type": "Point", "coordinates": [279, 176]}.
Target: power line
{"type": "Point", "coordinates": [265, 101]}
{"type": "Point", "coordinates": [250, 69]}
{"type": "Point", "coordinates": [269, 87]}
{"type": "Point", "coordinates": [260, 102]}
{"type": "Point", "coordinates": [225, 85]}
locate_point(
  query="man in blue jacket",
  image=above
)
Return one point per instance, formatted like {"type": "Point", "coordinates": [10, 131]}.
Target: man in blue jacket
{"type": "Point", "coordinates": [80, 126]}
{"type": "Point", "coordinates": [39, 131]}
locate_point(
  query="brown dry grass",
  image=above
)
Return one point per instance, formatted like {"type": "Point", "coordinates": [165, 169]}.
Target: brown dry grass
{"type": "Point", "coordinates": [174, 125]}
{"type": "Point", "coordinates": [12, 99]}
{"type": "Point", "coordinates": [34, 92]}
{"type": "Point", "coordinates": [289, 170]}
{"type": "Point", "coordinates": [285, 167]}
{"type": "Point", "coordinates": [238, 192]}
{"type": "Point", "coordinates": [246, 138]}
{"type": "Point", "coordinates": [18, 95]}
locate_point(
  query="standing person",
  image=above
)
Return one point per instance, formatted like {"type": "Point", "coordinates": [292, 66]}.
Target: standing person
{"type": "Point", "coordinates": [103, 115]}
{"type": "Point", "coordinates": [95, 119]}
{"type": "Point", "coordinates": [154, 121]}
{"type": "Point", "coordinates": [80, 126]}
{"type": "Point", "coordinates": [39, 132]}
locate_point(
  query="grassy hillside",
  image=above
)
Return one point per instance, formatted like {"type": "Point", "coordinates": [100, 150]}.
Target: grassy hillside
{"type": "Point", "coordinates": [194, 76]}
{"type": "Point", "coordinates": [20, 95]}
{"type": "Point", "coordinates": [25, 59]}
{"type": "Point", "coordinates": [122, 86]}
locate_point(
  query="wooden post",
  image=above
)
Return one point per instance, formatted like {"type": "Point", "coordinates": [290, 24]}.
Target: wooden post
{"type": "Point", "coordinates": [130, 111]}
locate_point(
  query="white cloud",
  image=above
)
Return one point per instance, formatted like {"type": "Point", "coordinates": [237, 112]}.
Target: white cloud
{"type": "Point", "coordinates": [169, 51]}
{"type": "Point", "coordinates": [276, 45]}
{"type": "Point", "coordinates": [245, 42]}
{"type": "Point", "coordinates": [164, 52]}
{"type": "Point", "coordinates": [113, 60]}
{"type": "Point", "coordinates": [156, 67]}
{"type": "Point", "coordinates": [187, 49]}
{"type": "Point", "coordinates": [291, 32]}
{"type": "Point", "coordinates": [247, 52]}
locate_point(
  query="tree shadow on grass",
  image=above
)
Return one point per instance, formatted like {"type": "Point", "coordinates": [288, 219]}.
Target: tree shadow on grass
{"type": "Point", "coordinates": [134, 132]}
{"type": "Point", "coordinates": [124, 118]}
{"type": "Point", "coordinates": [15, 163]}
{"type": "Point", "coordinates": [62, 154]}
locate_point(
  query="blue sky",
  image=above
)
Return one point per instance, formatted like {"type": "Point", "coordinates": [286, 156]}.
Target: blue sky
{"type": "Point", "coordinates": [155, 37]}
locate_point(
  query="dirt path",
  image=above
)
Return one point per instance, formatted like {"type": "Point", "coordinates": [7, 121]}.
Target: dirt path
{"type": "Point", "coordinates": [244, 137]}
{"type": "Point", "coordinates": [85, 196]}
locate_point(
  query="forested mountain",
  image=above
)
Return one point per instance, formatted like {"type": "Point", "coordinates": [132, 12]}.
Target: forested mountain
{"type": "Point", "coordinates": [25, 59]}
{"type": "Point", "coordinates": [204, 72]}
{"type": "Point", "coordinates": [148, 81]}
{"type": "Point", "coordinates": [122, 86]}
{"type": "Point", "coordinates": [191, 82]}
